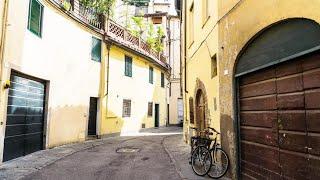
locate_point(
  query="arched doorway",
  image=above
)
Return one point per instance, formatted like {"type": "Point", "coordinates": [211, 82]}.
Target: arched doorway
{"type": "Point", "coordinates": [200, 111]}
{"type": "Point", "coordinates": [278, 95]}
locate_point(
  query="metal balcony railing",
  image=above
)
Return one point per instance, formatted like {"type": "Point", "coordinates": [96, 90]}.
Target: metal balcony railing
{"type": "Point", "coordinates": [81, 13]}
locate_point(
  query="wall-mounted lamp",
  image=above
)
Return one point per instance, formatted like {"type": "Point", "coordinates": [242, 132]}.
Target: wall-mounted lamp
{"type": "Point", "coordinates": [7, 84]}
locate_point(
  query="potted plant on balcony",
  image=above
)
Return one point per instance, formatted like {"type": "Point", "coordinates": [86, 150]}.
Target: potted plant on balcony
{"type": "Point", "coordinates": [158, 46]}
{"type": "Point", "coordinates": [66, 4]}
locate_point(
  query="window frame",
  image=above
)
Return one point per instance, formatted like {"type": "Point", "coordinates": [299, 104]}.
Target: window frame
{"type": "Point", "coordinates": [205, 12]}
{"type": "Point", "coordinates": [150, 109]}
{"type": "Point", "coordinates": [214, 66]}
{"type": "Point", "coordinates": [151, 74]}
{"type": "Point", "coordinates": [191, 25]}
{"type": "Point", "coordinates": [40, 19]}
{"type": "Point", "coordinates": [162, 80]}
{"type": "Point", "coordinates": [126, 110]}
{"type": "Point", "coordinates": [128, 66]}
{"type": "Point", "coordinates": [92, 49]}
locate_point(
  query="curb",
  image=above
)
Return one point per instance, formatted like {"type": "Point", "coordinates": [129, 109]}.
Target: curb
{"type": "Point", "coordinates": [178, 170]}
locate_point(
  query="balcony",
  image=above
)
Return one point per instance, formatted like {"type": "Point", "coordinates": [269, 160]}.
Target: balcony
{"type": "Point", "coordinates": [121, 35]}
{"type": "Point", "coordinates": [114, 32]}
{"type": "Point", "coordinates": [82, 14]}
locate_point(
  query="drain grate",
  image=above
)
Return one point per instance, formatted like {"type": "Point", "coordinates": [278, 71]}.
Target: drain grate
{"type": "Point", "coordinates": [127, 150]}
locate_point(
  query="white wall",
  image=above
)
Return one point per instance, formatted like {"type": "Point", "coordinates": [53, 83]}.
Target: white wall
{"type": "Point", "coordinates": [62, 57]}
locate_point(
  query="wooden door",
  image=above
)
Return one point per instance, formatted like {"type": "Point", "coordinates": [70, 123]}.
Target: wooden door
{"type": "Point", "coordinates": [280, 121]}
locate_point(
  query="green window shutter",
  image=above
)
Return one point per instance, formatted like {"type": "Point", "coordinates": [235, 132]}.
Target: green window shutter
{"type": "Point", "coordinates": [128, 66]}
{"type": "Point", "coordinates": [151, 75]}
{"type": "Point", "coordinates": [162, 80]}
{"type": "Point", "coordinates": [96, 49]}
{"type": "Point", "coordinates": [35, 17]}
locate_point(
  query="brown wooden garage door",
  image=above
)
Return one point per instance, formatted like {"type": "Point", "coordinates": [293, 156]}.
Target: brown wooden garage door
{"type": "Point", "coordinates": [280, 121]}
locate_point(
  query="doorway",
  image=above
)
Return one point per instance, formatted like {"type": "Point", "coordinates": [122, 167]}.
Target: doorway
{"type": "Point", "coordinates": [156, 115]}
{"type": "Point", "coordinates": [92, 124]}
{"type": "Point", "coordinates": [200, 111]}
{"type": "Point", "coordinates": [25, 116]}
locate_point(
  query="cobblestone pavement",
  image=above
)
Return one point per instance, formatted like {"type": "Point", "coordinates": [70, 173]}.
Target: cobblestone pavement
{"type": "Point", "coordinates": [154, 154]}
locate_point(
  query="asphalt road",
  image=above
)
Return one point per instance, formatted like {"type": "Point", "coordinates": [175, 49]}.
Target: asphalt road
{"type": "Point", "coordinates": [140, 158]}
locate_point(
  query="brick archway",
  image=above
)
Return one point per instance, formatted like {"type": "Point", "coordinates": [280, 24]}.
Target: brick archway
{"type": "Point", "coordinates": [201, 99]}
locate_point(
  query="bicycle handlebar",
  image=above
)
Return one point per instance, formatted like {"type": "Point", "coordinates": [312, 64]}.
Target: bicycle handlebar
{"type": "Point", "coordinates": [214, 130]}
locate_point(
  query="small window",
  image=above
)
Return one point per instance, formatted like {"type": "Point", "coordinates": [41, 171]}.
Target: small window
{"type": "Point", "coordinates": [157, 20]}
{"type": "Point", "coordinates": [126, 109]}
{"type": "Point", "coordinates": [214, 68]}
{"type": "Point", "coordinates": [150, 107]}
{"type": "Point", "coordinates": [191, 110]}
{"type": "Point", "coordinates": [96, 49]}
{"type": "Point", "coordinates": [35, 17]}
{"type": "Point", "coordinates": [162, 79]}
{"type": "Point", "coordinates": [205, 11]}
{"type": "Point", "coordinates": [128, 66]}
{"type": "Point", "coordinates": [151, 75]}
{"type": "Point", "coordinates": [191, 25]}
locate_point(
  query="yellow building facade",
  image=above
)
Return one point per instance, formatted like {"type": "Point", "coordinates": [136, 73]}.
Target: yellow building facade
{"type": "Point", "coordinates": [63, 79]}
{"type": "Point", "coordinates": [241, 40]}
{"type": "Point", "coordinates": [138, 90]}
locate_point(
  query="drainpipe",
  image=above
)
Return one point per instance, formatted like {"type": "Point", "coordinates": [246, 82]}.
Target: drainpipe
{"type": "Point", "coordinates": [3, 38]}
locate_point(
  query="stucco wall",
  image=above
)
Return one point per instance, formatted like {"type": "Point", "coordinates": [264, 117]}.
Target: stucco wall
{"type": "Point", "coordinates": [138, 89]}
{"type": "Point", "coordinates": [226, 34]}
{"type": "Point", "coordinates": [235, 31]}
{"type": "Point", "coordinates": [198, 63]}
{"type": "Point", "coordinates": [62, 58]}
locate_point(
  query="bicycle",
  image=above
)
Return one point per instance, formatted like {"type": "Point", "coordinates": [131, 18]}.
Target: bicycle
{"type": "Point", "coordinates": [212, 161]}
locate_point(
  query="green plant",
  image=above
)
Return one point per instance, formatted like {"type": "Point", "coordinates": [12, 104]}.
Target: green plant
{"type": "Point", "coordinates": [139, 26]}
{"type": "Point", "coordinates": [101, 6]}
{"type": "Point", "coordinates": [158, 46]}
{"type": "Point", "coordinates": [66, 5]}
{"type": "Point", "coordinates": [150, 36]}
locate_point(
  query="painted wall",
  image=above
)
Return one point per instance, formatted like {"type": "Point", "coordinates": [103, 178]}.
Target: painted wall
{"type": "Point", "coordinates": [234, 24]}
{"type": "Point", "coordinates": [198, 63]}
{"type": "Point", "coordinates": [138, 89]}
{"type": "Point", "coordinates": [235, 30]}
{"type": "Point", "coordinates": [62, 57]}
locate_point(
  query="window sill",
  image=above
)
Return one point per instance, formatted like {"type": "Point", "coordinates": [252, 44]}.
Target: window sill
{"type": "Point", "coordinates": [205, 22]}
{"type": "Point", "coordinates": [191, 44]}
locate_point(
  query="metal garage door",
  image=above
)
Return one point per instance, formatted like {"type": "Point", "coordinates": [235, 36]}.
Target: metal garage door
{"type": "Point", "coordinates": [25, 117]}
{"type": "Point", "coordinates": [280, 121]}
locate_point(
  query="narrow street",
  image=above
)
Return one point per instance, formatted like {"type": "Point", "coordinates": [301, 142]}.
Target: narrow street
{"type": "Point", "coordinates": [143, 156]}
{"type": "Point", "coordinates": [148, 161]}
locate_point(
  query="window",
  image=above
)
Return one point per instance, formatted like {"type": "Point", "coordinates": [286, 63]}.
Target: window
{"type": "Point", "coordinates": [128, 66]}
{"type": "Point", "coordinates": [214, 66]}
{"type": "Point", "coordinates": [150, 107]}
{"type": "Point", "coordinates": [191, 110]}
{"type": "Point", "coordinates": [162, 79]}
{"type": "Point", "coordinates": [126, 109]}
{"type": "Point", "coordinates": [151, 75]}
{"type": "Point", "coordinates": [157, 20]}
{"type": "Point", "coordinates": [96, 49]}
{"type": "Point", "coordinates": [191, 25]}
{"type": "Point", "coordinates": [205, 11]}
{"type": "Point", "coordinates": [35, 17]}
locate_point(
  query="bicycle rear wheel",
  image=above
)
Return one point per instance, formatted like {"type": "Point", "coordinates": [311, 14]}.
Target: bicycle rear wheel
{"type": "Point", "coordinates": [220, 163]}
{"type": "Point", "coordinates": [201, 160]}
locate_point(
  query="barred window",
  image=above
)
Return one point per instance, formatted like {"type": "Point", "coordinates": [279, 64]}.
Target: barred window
{"type": "Point", "coordinates": [150, 108]}
{"type": "Point", "coordinates": [191, 110]}
{"type": "Point", "coordinates": [126, 109]}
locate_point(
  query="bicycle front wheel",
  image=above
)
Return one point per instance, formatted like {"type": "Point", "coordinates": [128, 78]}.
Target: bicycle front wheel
{"type": "Point", "coordinates": [220, 163]}
{"type": "Point", "coordinates": [201, 160]}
